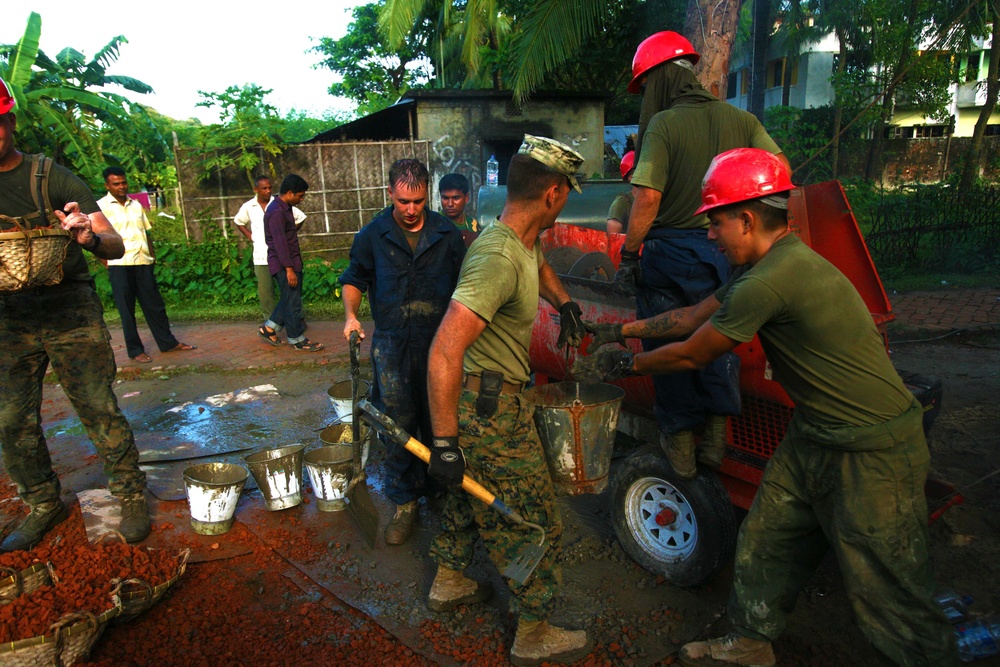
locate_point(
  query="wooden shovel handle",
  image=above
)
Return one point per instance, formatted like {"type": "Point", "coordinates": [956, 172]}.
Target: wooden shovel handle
{"type": "Point", "coordinates": [471, 486]}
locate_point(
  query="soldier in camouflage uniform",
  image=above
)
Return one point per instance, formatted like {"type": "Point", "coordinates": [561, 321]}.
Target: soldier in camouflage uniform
{"type": "Point", "coordinates": [62, 324]}
{"type": "Point", "coordinates": [478, 365]}
{"type": "Point", "coordinates": [849, 474]}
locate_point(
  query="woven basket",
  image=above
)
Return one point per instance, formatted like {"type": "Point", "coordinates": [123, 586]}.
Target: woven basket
{"type": "Point", "coordinates": [69, 639]}
{"type": "Point", "coordinates": [24, 582]}
{"type": "Point", "coordinates": [138, 595]}
{"type": "Point", "coordinates": [31, 257]}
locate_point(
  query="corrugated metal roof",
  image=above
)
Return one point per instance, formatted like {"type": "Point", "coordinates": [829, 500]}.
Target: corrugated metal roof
{"type": "Point", "coordinates": [617, 135]}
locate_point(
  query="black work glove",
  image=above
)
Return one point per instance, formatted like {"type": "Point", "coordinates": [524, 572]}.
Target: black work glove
{"type": "Point", "coordinates": [606, 333]}
{"type": "Point", "coordinates": [603, 366]}
{"type": "Point", "coordinates": [571, 326]}
{"type": "Point", "coordinates": [447, 464]}
{"type": "Point", "coordinates": [629, 274]}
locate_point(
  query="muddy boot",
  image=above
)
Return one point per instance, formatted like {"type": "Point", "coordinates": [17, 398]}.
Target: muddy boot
{"type": "Point", "coordinates": [134, 525]}
{"type": "Point", "coordinates": [40, 520]}
{"type": "Point", "coordinates": [451, 588]}
{"type": "Point", "coordinates": [537, 642]}
{"type": "Point", "coordinates": [733, 649]}
{"type": "Point", "coordinates": [713, 444]}
{"type": "Point", "coordinates": [401, 525]}
{"type": "Point", "coordinates": [679, 449]}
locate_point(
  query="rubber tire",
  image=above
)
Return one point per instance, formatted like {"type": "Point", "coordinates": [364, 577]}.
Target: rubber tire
{"type": "Point", "coordinates": [708, 508]}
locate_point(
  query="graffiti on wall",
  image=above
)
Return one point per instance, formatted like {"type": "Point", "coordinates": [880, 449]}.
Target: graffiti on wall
{"type": "Point", "coordinates": [451, 161]}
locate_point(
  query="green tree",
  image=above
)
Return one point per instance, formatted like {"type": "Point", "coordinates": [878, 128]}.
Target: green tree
{"type": "Point", "coordinates": [57, 112]}
{"type": "Point", "coordinates": [246, 123]}
{"type": "Point", "coordinates": [373, 74]}
{"type": "Point", "coordinates": [978, 22]}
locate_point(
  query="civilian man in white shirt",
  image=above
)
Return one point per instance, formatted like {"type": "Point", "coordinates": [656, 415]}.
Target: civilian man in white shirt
{"type": "Point", "coordinates": [132, 276]}
{"type": "Point", "coordinates": [250, 221]}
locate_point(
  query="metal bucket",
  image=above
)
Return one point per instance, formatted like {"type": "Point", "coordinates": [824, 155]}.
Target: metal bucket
{"type": "Point", "coordinates": [340, 398]}
{"type": "Point", "coordinates": [577, 423]}
{"type": "Point", "coordinates": [278, 473]}
{"type": "Point", "coordinates": [341, 434]}
{"type": "Point", "coordinates": [329, 470]}
{"type": "Point", "coordinates": [213, 490]}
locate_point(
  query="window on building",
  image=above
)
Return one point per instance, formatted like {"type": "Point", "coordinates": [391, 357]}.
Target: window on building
{"type": "Point", "coordinates": [898, 132]}
{"type": "Point", "coordinates": [993, 130]}
{"type": "Point", "coordinates": [929, 131]}
{"type": "Point", "coordinates": [776, 72]}
{"type": "Point", "coordinates": [971, 68]}
{"type": "Point", "coordinates": [731, 85]}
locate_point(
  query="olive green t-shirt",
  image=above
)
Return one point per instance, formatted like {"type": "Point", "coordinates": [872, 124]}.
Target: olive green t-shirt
{"type": "Point", "coordinates": [679, 146]}
{"type": "Point", "coordinates": [817, 334]}
{"type": "Point", "coordinates": [64, 187]}
{"type": "Point", "coordinates": [499, 282]}
{"type": "Point", "coordinates": [621, 208]}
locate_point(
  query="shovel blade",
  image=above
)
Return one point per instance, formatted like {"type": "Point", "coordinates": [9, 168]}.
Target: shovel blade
{"type": "Point", "coordinates": [524, 563]}
{"type": "Point", "coordinates": [362, 508]}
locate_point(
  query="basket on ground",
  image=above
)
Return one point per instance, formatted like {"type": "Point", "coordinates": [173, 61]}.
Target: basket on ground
{"type": "Point", "coordinates": [22, 582]}
{"type": "Point", "coordinates": [31, 257]}
{"type": "Point", "coordinates": [68, 640]}
{"type": "Point", "coordinates": [138, 595]}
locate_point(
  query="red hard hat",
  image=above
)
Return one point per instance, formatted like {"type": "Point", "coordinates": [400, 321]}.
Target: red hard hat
{"type": "Point", "coordinates": [628, 161]}
{"type": "Point", "coordinates": [659, 48]}
{"type": "Point", "coordinates": [7, 101]}
{"type": "Point", "coordinates": [742, 174]}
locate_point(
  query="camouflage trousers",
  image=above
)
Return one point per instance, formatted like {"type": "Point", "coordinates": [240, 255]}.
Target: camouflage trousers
{"type": "Point", "coordinates": [504, 454]}
{"type": "Point", "coordinates": [867, 505]}
{"type": "Point", "coordinates": [62, 325]}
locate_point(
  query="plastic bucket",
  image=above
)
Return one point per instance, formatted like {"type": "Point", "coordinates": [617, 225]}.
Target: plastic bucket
{"type": "Point", "coordinates": [577, 423]}
{"type": "Point", "coordinates": [213, 490]}
{"type": "Point", "coordinates": [329, 470]}
{"type": "Point", "coordinates": [341, 398]}
{"type": "Point", "coordinates": [278, 473]}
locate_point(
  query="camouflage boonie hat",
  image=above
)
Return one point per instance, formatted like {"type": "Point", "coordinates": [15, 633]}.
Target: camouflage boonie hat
{"type": "Point", "coordinates": [555, 155]}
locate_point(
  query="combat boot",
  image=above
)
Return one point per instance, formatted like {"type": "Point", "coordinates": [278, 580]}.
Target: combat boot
{"type": "Point", "coordinates": [134, 525]}
{"type": "Point", "coordinates": [401, 524]}
{"type": "Point", "coordinates": [41, 519]}
{"type": "Point", "coordinates": [537, 642]}
{"type": "Point", "coordinates": [733, 649]}
{"type": "Point", "coordinates": [713, 444]}
{"type": "Point", "coordinates": [679, 448]}
{"type": "Point", "coordinates": [451, 588]}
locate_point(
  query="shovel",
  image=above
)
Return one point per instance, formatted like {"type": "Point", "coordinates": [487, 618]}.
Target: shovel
{"type": "Point", "coordinates": [359, 501]}
{"type": "Point", "coordinates": [528, 557]}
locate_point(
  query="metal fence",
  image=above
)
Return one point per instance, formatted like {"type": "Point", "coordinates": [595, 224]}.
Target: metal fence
{"type": "Point", "coordinates": [936, 228]}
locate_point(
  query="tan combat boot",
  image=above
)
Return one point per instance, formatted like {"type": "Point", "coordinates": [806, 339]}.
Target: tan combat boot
{"type": "Point", "coordinates": [537, 642]}
{"type": "Point", "coordinates": [451, 588]}
{"type": "Point", "coordinates": [401, 524]}
{"type": "Point", "coordinates": [42, 518]}
{"type": "Point", "coordinates": [679, 449]}
{"type": "Point", "coordinates": [733, 649]}
{"type": "Point", "coordinates": [134, 525]}
{"type": "Point", "coordinates": [713, 444]}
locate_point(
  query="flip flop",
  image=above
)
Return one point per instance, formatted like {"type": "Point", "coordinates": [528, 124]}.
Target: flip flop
{"type": "Point", "coordinates": [307, 346]}
{"type": "Point", "coordinates": [269, 338]}
{"type": "Point", "coordinates": [182, 347]}
{"type": "Point", "coordinates": [142, 358]}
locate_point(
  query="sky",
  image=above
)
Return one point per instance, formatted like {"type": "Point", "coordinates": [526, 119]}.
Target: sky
{"type": "Point", "coordinates": [180, 47]}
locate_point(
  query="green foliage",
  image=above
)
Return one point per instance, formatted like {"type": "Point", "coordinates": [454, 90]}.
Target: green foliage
{"type": "Point", "coordinates": [247, 123]}
{"type": "Point", "coordinates": [299, 126]}
{"type": "Point", "coordinates": [802, 135]}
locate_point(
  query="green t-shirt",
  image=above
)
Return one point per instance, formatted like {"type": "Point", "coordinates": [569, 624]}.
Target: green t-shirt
{"type": "Point", "coordinates": [499, 282]}
{"type": "Point", "coordinates": [621, 208]}
{"type": "Point", "coordinates": [470, 224]}
{"type": "Point", "coordinates": [64, 187]}
{"type": "Point", "coordinates": [818, 336]}
{"type": "Point", "coordinates": [679, 146]}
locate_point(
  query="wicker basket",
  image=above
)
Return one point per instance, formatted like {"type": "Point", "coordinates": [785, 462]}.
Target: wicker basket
{"type": "Point", "coordinates": [69, 639]}
{"type": "Point", "coordinates": [24, 582]}
{"type": "Point", "coordinates": [138, 595]}
{"type": "Point", "coordinates": [31, 257]}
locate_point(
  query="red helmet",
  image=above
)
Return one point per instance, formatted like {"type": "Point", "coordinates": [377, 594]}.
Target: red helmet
{"type": "Point", "coordinates": [742, 174]}
{"type": "Point", "coordinates": [659, 48]}
{"type": "Point", "coordinates": [7, 101]}
{"type": "Point", "coordinates": [628, 161]}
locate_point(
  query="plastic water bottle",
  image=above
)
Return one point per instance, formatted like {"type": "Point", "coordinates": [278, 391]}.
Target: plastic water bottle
{"type": "Point", "coordinates": [978, 639]}
{"type": "Point", "coordinates": [954, 606]}
{"type": "Point", "coordinates": [492, 172]}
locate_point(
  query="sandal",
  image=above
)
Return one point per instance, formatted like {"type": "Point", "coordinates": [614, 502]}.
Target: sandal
{"type": "Point", "coordinates": [270, 336]}
{"type": "Point", "coordinates": [182, 347]}
{"type": "Point", "coordinates": [307, 346]}
{"type": "Point", "coordinates": [142, 358]}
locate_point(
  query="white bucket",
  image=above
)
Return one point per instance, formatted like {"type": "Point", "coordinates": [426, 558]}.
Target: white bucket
{"type": "Point", "coordinates": [278, 473]}
{"type": "Point", "coordinates": [342, 401]}
{"type": "Point", "coordinates": [213, 490]}
{"type": "Point", "coordinates": [329, 470]}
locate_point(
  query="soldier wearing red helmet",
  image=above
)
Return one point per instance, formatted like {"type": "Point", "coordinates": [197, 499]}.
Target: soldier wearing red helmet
{"type": "Point", "coordinates": [681, 128]}
{"type": "Point", "coordinates": [849, 474]}
{"type": "Point", "coordinates": [622, 204]}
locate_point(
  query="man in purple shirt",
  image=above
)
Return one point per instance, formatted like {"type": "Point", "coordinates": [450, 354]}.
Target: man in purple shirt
{"type": "Point", "coordinates": [285, 263]}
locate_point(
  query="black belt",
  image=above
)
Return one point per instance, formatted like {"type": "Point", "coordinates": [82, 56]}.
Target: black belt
{"type": "Point", "coordinates": [473, 382]}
